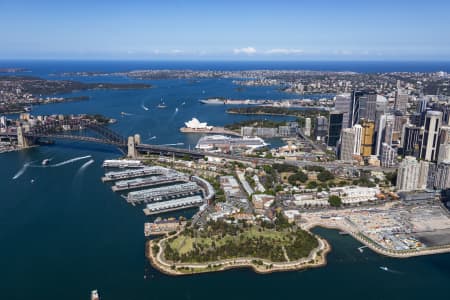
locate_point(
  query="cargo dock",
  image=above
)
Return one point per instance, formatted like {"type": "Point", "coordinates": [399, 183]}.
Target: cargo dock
{"type": "Point", "coordinates": [169, 178]}
{"type": "Point", "coordinates": [128, 174]}
{"type": "Point", "coordinates": [172, 205]}
{"type": "Point", "coordinates": [163, 193]}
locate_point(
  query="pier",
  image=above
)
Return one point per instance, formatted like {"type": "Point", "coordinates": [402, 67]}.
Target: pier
{"type": "Point", "coordinates": [122, 163]}
{"type": "Point", "coordinates": [163, 193]}
{"type": "Point", "coordinates": [149, 181]}
{"type": "Point", "coordinates": [172, 205]}
{"type": "Point", "coordinates": [128, 174]}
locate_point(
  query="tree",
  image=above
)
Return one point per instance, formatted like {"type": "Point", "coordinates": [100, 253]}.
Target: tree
{"type": "Point", "coordinates": [299, 176]}
{"type": "Point", "coordinates": [335, 201]}
{"type": "Point", "coordinates": [325, 175]}
{"type": "Point", "coordinates": [311, 185]}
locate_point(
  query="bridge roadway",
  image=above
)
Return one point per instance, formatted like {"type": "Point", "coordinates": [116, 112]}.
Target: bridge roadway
{"type": "Point", "coordinates": [108, 136]}
{"type": "Point", "coordinates": [166, 150]}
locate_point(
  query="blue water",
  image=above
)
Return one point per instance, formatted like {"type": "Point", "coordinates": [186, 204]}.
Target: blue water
{"type": "Point", "coordinates": [67, 233]}
{"type": "Point", "coordinates": [43, 67]}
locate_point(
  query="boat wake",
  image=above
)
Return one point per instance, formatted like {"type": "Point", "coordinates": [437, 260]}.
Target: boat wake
{"type": "Point", "coordinates": [22, 170]}
{"type": "Point", "coordinates": [86, 164]}
{"type": "Point", "coordinates": [390, 270]}
{"type": "Point", "coordinates": [144, 107]}
{"type": "Point", "coordinates": [66, 162]}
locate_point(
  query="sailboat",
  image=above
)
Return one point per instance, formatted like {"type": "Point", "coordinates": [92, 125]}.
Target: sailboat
{"type": "Point", "coordinates": [162, 104]}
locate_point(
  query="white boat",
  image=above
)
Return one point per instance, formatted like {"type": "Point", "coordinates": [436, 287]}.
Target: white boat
{"type": "Point", "coordinates": [384, 268]}
{"type": "Point", "coordinates": [45, 161]}
{"type": "Point", "coordinates": [94, 295]}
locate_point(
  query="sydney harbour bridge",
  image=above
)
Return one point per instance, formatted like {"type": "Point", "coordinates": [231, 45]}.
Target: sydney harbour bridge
{"type": "Point", "coordinates": [87, 130]}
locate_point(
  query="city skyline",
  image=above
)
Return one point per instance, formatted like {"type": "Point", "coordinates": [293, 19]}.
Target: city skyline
{"type": "Point", "coordinates": [200, 30]}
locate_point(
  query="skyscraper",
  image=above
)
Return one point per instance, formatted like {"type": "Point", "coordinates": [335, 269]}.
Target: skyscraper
{"type": "Point", "coordinates": [442, 180]}
{"type": "Point", "coordinates": [347, 144]}
{"type": "Point", "coordinates": [388, 155]}
{"type": "Point", "coordinates": [354, 108]}
{"type": "Point", "coordinates": [367, 137]}
{"type": "Point", "coordinates": [321, 128]}
{"type": "Point", "coordinates": [401, 100]}
{"type": "Point", "coordinates": [342, 104]}
{"type": "Point", "coordinates": [410, 140]}
{"type": "Point", "coordinates": [408, 174]}
{"type": "Point", "coordinates": [363, 106]}
{"type": "Point", "coordinates": [358, 130]}
{"type": "Point", "coordinates": [368, 105]}
{"type": "Point", "coordinates": [430, 140]}
{"type": "Point", "coordinates": [335, 127]}
{"type": "Point", "coordinates": [307, 128]}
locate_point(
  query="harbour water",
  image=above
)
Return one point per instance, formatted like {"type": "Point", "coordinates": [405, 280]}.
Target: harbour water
{"type": "Point", "coordinates": [64, 233]}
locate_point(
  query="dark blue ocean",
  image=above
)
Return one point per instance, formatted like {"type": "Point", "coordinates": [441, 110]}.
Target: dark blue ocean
{"type": "Point", "coordinates": [63, 232]}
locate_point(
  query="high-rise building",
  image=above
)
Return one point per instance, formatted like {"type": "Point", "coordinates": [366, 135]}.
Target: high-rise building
{"type": "Point", "coordinates": [334, 129]}
{"type": "Point", "coordinates": [380, 132]}
{"type": "Point", "coordinates": [442, 180]}
{"type": "Point", "coordinates": [424, 170]}
{"type": "Point", "coordinates": [389, 129]}
{"type": "Point", "coordinates": [401, 100]}
{"type": "Point", "coordinates": [408, 174]}
{"type": "Point", "coordinates": [410, 140]}
{"type": "Point", "coordinates": [388, 156]}
{"type": "Point", "coordinates": [307, 128]}
{"type": "Point", "coordinates": [347, 144]}
{"type": "Point", "coordinates": [422, 105]}
{"type": "Point", "coordinates": [367, 137]}
{"type": "Point", "coordinates": [430, 140]}
{"type": "Point", "coordinates": [358, 130]}
{"type": "Point", "coordinates": [342, 104]}
{"type": "Point", "coordinates": [444, 153]}
{"type": "Point", "coordinates": [321, 128]}
{"type": "Point", "coordinates": [354, 108]}
{"type": "Point", "coordinates": [368, 105]}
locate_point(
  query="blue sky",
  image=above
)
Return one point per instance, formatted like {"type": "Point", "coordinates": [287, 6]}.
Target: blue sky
{"type": "Point", "coordinates": [229, 30]}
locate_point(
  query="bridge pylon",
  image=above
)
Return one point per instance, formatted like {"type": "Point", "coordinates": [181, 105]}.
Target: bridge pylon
{"type": "Point", "coordinates": [22, 140]}
{"type": "Point", "coordinates": [132, 142]}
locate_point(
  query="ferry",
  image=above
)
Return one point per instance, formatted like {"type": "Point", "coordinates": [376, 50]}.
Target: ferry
{"type": "Point", "coordinates": [45, 161]}
{"type": "Point", "coordinates": [94, 295]}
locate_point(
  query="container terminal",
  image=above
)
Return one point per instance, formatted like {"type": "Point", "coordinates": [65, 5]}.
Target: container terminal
{"type": "Point", "coordinates": [122, 163]}
{"type": "Point", "coordinates": [171, 205]}
{"type": "Point", "coordinates": [163, 193]}
{"type": "Point", "coordinates": [149, 181]}
{"type": "Point", "coordinates": [127, 174]}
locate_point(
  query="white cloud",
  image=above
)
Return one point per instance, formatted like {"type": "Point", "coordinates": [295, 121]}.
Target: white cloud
{"type": "Point", "coordinates": [176, 51]}
{"type": "Point", "coordinates": [246, 50]}
{"type": "Point", "coordinates": [284, 51]}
